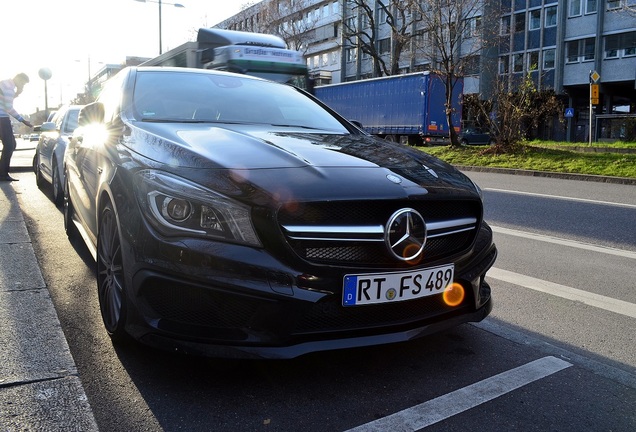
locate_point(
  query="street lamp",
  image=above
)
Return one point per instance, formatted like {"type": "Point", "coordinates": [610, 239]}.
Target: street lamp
{"type": "Point", "coordinates": [46, 74]}
{"type": "Point", "coordinates": [179, 5]}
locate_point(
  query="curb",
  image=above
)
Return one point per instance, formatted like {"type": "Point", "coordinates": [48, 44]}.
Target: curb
{"type": "Point", "coordinates": [566, 176]}
{"type": "Point", "coordinates": [39, 384]}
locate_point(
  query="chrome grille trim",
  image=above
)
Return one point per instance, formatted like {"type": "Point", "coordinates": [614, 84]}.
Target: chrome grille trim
{"type": "Point", "coordinates": [371, 233]}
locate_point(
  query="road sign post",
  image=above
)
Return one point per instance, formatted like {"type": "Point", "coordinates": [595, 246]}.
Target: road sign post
{"type": "Point", "coordinates": [594, 77]}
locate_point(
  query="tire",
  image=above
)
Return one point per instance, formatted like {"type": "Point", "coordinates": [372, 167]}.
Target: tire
{"type": "Point", "coordinates": [110, 275]}
{"type": "Point", "coordinates": [492, 142]}
{"type": "Point", "coordinates": [69, 225]}
{"type": "Point", "coordinates": [39, 180]}
{"type": "Point", "coordinates": [392, 138]}
{"type": "Point", "coordinates": [56, 183]}
{"type": "Point", "coordinates": [464, 142]}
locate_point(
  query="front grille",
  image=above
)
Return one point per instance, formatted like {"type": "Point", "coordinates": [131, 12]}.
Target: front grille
{"type": "Point", "coordinates": [352, 233]}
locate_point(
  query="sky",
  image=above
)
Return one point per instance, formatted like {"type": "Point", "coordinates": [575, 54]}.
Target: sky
{"type": "Point", "coordinates": [74, 37]}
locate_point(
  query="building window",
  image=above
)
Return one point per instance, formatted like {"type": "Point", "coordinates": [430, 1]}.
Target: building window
{"type": "Point", "coordinates": [517, 62]}
{"type": "Point", "coordinates": [628, 41]}
{"type": "Point", "coordinates": [575, 8]}
{"type": "Point", "coordinates": [535, 20]}
{"type": "Point", "coordinates": [533, 60]}
{"type": "Point", "coordinates": [611, 46]}
{"type": "Point", "coordinates": [351, 24]}
{"type": "Point", "coordinates": [549, 58]}
{"type": "Point", "coordinates": [351, 54]}
{"type": "Point", "coordinates": [472, 27]}
{"type": "Point", "coordinates": [551, 16]}
{"type": "Point", "coordinates": [613, 4]}
{"type": "Point", "coordinates": [471, 65]}
{"type": "Point", "coordinates": [381, 15]}
{"type": "Point", "coordinates": [590, 6]}
{"type": "Point", "coordinates": [504, 27]}
{"type": "Point", "coordinates": [620, 45]}
{"type": "Point", "coordinates": [572, 49]}
{"type": "Point", "coordinates": [520, 22]}
{"type": "Point", "coordinates": [384, 45]}
{"type": "Point", "coordinates": [588, 48]}
{"type": "Point", "coordinates": [504, 65]}
{"type": "Point", "coordinates": [580, 50]}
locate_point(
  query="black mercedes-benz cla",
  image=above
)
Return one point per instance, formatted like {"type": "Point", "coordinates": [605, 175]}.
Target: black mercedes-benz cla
{"type": "Point", "coordinates": [233, 216]}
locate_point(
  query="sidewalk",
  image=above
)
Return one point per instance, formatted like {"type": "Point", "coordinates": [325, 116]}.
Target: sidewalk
{"type": "Point", "coordinates": [39, 386]}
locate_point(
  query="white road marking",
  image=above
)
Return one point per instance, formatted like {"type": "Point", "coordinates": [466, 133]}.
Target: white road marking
{"type": "Point", "coordinates": [596, 300]}
{"type": "Point", "coordinates": [564, 242]}
{"type": "Point", "coordinates": [448, 405]}
{"type": "Point", "coordinates": [561, 197]}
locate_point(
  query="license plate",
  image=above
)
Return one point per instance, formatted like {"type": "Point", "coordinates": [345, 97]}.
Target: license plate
{"type": "Point", "coordinates": [374, 288]}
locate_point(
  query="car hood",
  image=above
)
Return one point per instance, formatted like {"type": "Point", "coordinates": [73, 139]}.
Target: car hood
{"type": "Point", "coordinates": [273, 156]}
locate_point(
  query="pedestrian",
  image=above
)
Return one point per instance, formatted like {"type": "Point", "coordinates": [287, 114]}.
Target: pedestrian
{"type": "Point", "coordinates": [9, 90]}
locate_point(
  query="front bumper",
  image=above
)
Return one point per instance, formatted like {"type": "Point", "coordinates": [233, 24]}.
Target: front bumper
{"type": "Point", "coordinates": [239, 302]}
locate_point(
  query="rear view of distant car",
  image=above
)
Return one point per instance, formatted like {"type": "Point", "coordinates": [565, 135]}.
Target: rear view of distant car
{"type": "Point", "coordinates": [49, 153]}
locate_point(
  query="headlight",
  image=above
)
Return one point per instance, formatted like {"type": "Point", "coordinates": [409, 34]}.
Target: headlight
{"type": "Point", "coordinates": [178, 207]}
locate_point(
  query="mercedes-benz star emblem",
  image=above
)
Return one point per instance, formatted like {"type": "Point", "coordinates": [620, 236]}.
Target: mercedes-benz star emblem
{"type": "Point", "coordinates": [405, 234]}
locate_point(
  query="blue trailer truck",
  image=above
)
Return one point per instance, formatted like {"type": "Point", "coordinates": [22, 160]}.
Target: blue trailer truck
{"type": "Point", "coordinates": [403, 108]}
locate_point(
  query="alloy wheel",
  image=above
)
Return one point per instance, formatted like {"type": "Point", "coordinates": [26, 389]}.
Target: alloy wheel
{"type": "Point", "coordinates": [110, 274]}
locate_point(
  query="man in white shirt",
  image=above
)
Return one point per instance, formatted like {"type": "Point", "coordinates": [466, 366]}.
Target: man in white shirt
{"type": "Point", "coordinates": [9, 90]}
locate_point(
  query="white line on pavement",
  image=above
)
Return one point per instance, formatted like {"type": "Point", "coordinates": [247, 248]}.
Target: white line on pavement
{"type": "Point", "coordinates": [596, 300]}
{"type": "Point", "coordinates": [448, 405]}
{"type": "Point", "coordinates": [561, 197]}
{"type": "Point", "coordinates": [564, 242]}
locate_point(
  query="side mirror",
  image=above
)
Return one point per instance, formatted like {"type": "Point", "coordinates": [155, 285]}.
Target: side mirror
{"type": "Point", "coordinates": [357, 124]}
{"type": "Point", "coordinates": [47, 127]}
{"type": "Point", "coordinates": [91, 113]}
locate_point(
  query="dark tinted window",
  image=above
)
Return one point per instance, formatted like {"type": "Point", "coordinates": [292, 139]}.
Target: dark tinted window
{"type": "Point", "coordinates": [164, 95]}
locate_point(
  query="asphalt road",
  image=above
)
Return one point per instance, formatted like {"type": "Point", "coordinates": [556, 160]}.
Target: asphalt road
{"type": "Point", "coordinates": [557, 352]}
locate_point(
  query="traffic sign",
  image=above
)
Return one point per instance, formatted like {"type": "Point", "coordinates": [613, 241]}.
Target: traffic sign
{"type": "Point", "coordinates": [594, 76]}
{"type": "Point", "coordinates": [594, 101]}
{"type": "Point", "coordinates": [569, 112]}
{"type": "Point", "coordinates": [594, 91]}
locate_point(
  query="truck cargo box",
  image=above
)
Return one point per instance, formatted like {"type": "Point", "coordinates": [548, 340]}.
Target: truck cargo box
{"type": "Point", "coordinates": [402, 107]}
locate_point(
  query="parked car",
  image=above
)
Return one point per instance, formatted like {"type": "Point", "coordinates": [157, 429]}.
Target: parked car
{"type": "Point", "coordinates": [49, 153]}
{"type": "Point", "coordinates": [233, 216]}
{"type": "Point", "coordinates": [477, 136]}
{"type": "Point", "coordinates": [34, 137]}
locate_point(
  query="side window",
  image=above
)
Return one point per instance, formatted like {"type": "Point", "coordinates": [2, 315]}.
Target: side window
{"type": "Point", "coordinates": [70, 121]}
{"type": "Point", "coordinates": [57, 119]}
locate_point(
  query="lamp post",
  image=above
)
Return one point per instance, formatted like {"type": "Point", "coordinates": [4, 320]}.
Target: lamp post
{"type": "Point", "coordinates": [45, 74]}
{"type": "Point", "coordinates": [179, 5]}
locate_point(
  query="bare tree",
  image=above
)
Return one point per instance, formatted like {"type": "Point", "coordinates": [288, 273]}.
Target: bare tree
{"type": "Point", "coordinates": [513, 115]}
{"type": "Point", "coordinates": [451, 38]}
{"type": "Point", "coordinates": [362, 26]}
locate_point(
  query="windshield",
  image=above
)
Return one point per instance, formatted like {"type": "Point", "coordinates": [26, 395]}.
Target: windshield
{"type": "Point", "coordinates": [202, 97]}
